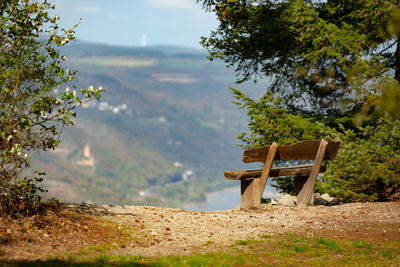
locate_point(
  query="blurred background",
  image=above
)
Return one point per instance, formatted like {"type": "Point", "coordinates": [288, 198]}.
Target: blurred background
{"type": "Point", "coordinates": [165, 129]}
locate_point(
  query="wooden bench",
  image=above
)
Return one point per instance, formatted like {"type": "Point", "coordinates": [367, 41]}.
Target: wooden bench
{"type": "Point", "coordinates": [253, 181]}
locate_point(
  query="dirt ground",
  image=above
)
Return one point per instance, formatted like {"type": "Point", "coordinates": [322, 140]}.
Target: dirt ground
{"type": "Point", "coordinates": [151, 231]}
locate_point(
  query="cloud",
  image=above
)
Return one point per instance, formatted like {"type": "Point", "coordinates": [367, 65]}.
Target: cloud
{"type": "Point", "coordinates": [88, 9]}
{"type": "Point", "coordinates": [176, 4]}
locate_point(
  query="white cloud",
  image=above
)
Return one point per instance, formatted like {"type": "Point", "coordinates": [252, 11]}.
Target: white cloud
{"type": "Point", "coordinates": [88, 9]}
{"type": "Point", "coordinates": [177, 4]}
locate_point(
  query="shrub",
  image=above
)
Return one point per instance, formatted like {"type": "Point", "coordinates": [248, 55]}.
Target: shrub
{"type": "Point", "coordinates": [33, 107]}
{"type": "Point", "coordinates": [368, 168]}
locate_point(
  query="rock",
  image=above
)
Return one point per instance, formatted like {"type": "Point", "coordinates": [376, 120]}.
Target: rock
{"type": "Point", "coordinates": [287, 200]}
{"type": "Point", "coordinates": [318, 200]}
{"type": "Point", "coordinates": [327, 197]}
{"type": "Point", "coordinates": [331, 200]}
{"type": "Point", "coordinates": [274, 201]}
{"type": "Point", "coordinates": [325, 200]}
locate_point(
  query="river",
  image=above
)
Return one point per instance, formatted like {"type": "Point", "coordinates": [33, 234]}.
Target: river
{"type": "Point", "coordinates": [227, 199]}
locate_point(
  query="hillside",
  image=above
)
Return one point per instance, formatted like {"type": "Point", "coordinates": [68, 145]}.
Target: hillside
{"type": "Point", "coordinates": [162, 134]}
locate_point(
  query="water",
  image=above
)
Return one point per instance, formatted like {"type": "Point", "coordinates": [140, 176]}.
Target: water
{"type": "Point", "coordinates": [227, 199]}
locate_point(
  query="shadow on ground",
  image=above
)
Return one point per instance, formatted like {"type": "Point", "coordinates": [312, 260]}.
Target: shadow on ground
{"type": "Point", "coordinates": [62, 263]}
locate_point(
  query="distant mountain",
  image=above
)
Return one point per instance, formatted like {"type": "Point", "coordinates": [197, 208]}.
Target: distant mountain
{"type": "Point", "coordinates": [162, 134]}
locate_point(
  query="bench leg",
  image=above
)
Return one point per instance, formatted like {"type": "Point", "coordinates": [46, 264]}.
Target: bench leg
{"type": "Point", "coordinates": [305, 195]}
{"type": "Point", "coordinates": [250, 193]}
{"type": "Point", "coordinates": [299, 182]}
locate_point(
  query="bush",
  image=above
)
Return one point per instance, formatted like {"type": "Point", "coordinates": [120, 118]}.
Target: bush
{"type": "Point", "coordinates": [33, 108]}
{"type": "Point", "coordinates": [22, 197]}
{"type": "Point", "coordinates": [368, 168]}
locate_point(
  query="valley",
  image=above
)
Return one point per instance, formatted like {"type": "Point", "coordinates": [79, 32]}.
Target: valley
{"type": "Point", "coordinates": [162, 134]}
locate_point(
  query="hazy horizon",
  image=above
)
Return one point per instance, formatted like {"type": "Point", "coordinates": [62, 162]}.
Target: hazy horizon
{"type": "Point", "coordinates": [138, 23]}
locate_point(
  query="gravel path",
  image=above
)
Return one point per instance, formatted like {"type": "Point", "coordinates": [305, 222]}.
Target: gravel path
{"type": "Point", "coordinates": [79, 229]}
{"type": "Point", "coordinates": [177, 231]}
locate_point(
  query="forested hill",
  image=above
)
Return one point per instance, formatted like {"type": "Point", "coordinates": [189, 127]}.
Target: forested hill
{"type": "Point", "coordinates": [162, 134]}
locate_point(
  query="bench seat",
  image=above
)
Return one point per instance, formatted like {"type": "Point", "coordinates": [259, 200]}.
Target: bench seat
{"type": "Point", "coordinates": [300, 170]}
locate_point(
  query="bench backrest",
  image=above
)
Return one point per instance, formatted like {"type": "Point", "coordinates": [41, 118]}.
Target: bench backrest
{"type": "Point", "coordinates": [304, 150]}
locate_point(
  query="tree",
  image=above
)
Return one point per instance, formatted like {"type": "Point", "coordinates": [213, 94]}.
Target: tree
{"type": "Point", "coordinates": [33, 106]}
{"type": "Point", "coordinates": [332, 70]}
{"type": "Point", "coordinates": [320, 56]}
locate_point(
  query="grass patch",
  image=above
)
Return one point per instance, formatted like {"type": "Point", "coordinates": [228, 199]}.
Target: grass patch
{"type": "Point", "coordinates": [386, 254]}
{"type": "Point", "coordinates": [266, 236]}
{"type": "Point", "coordinates": [300, 248]}
{"type": "Point", "coordinates": [208, 259]}
{"type": "Point", "coordinates": [331, 245]}
{"type": "Point", "coordinates": [286, 250]}
{"type": "Point", "coordinates": [103, 259]}
{"type": "Point", "coordinates": [362, 244]}
{"type": "Point", "coordinates": [99, 248]}
{"type": "Point", "coordinates": [243, 242]}
{"type": "Point", "coordinates": [293, 238]}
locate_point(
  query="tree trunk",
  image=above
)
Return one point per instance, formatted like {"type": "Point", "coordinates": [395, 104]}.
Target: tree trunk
{"type": "Point", "coordinates": [397, 60]}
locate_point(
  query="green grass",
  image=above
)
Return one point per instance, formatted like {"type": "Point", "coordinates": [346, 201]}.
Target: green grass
{"type": "Point", "coordinates": [288, 250]}
{"type": "Point", "coordinates": [362, 244]}
{"type": "Point", "coordinates": [266, 236]}
{"type": "Point", "coordinates": [331, 245]}
{"type": "Point", "coordinates": [285, 250]}
{"type": "Point", "coordinates": [243, 242]}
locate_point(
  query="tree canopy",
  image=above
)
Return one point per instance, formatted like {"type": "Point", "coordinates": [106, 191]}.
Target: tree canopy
{"type": "Point", "coordinates": [331, 70]}
{"type": "Point", "coordinates": [322, 57]}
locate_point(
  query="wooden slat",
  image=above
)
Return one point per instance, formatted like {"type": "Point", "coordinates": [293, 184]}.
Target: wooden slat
{"type": "Point", "coordinates": [305, 150]}
{"type": "Point", "coordinates": [267, 167]}
{"type": "Point", "coordinates": [302, 170]}
{"type": "Point", "coordinates": [303, 198]}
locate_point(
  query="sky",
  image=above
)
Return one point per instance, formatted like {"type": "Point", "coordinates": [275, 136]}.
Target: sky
{"type": "Point", "coordinates": [137, 22]}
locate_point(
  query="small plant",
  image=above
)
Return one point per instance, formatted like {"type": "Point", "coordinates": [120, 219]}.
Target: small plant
{"type": "Point", "coordinates": [386, 254]}
{"type": "Point", "coordinates": [362, 244]}
{"type": "Point", "coordinates": [22, 196]}
{"type": "Point", "coordinates": [331, 245]}
{"type": "Point", "coordinates": [99, 248]}
{"type": "Point", "coordinates": [103, 258]}
{"type": "Point", "coordinates": [300, 248]}
{"type": "Point", "coordinates": [243, 242]}
{"type": "Point", "coordinates": [293, 238]}
{"type": "Point", "coordinates": [70, 256]}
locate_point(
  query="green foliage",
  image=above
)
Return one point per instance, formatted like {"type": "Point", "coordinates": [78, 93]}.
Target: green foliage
{"type": "Point", "coordinates": [331, 245]}
{"type": "Point", "coordinates": [368, 168]}
{"type": "Point", "coordinates": [320, 56]}
{"type": "Point", "coordinates": [284, 185]}
{"type": "Point", "coordinates": [22, 197]}
{"type": "Point", "coordinates": [330, 68]}
{"type": "Point", "coordinates": [271, 121]}
{"type": "Point", "coordinates": [349, 178]}
{"type": "Point", "coordinates": [283, 250]}
{"type": "Point", "coordinates": [32, 107]}
{"type": "Point", "coordinates": [243, 242]}
{"type": "Point", "coordinates": [362, 244]}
